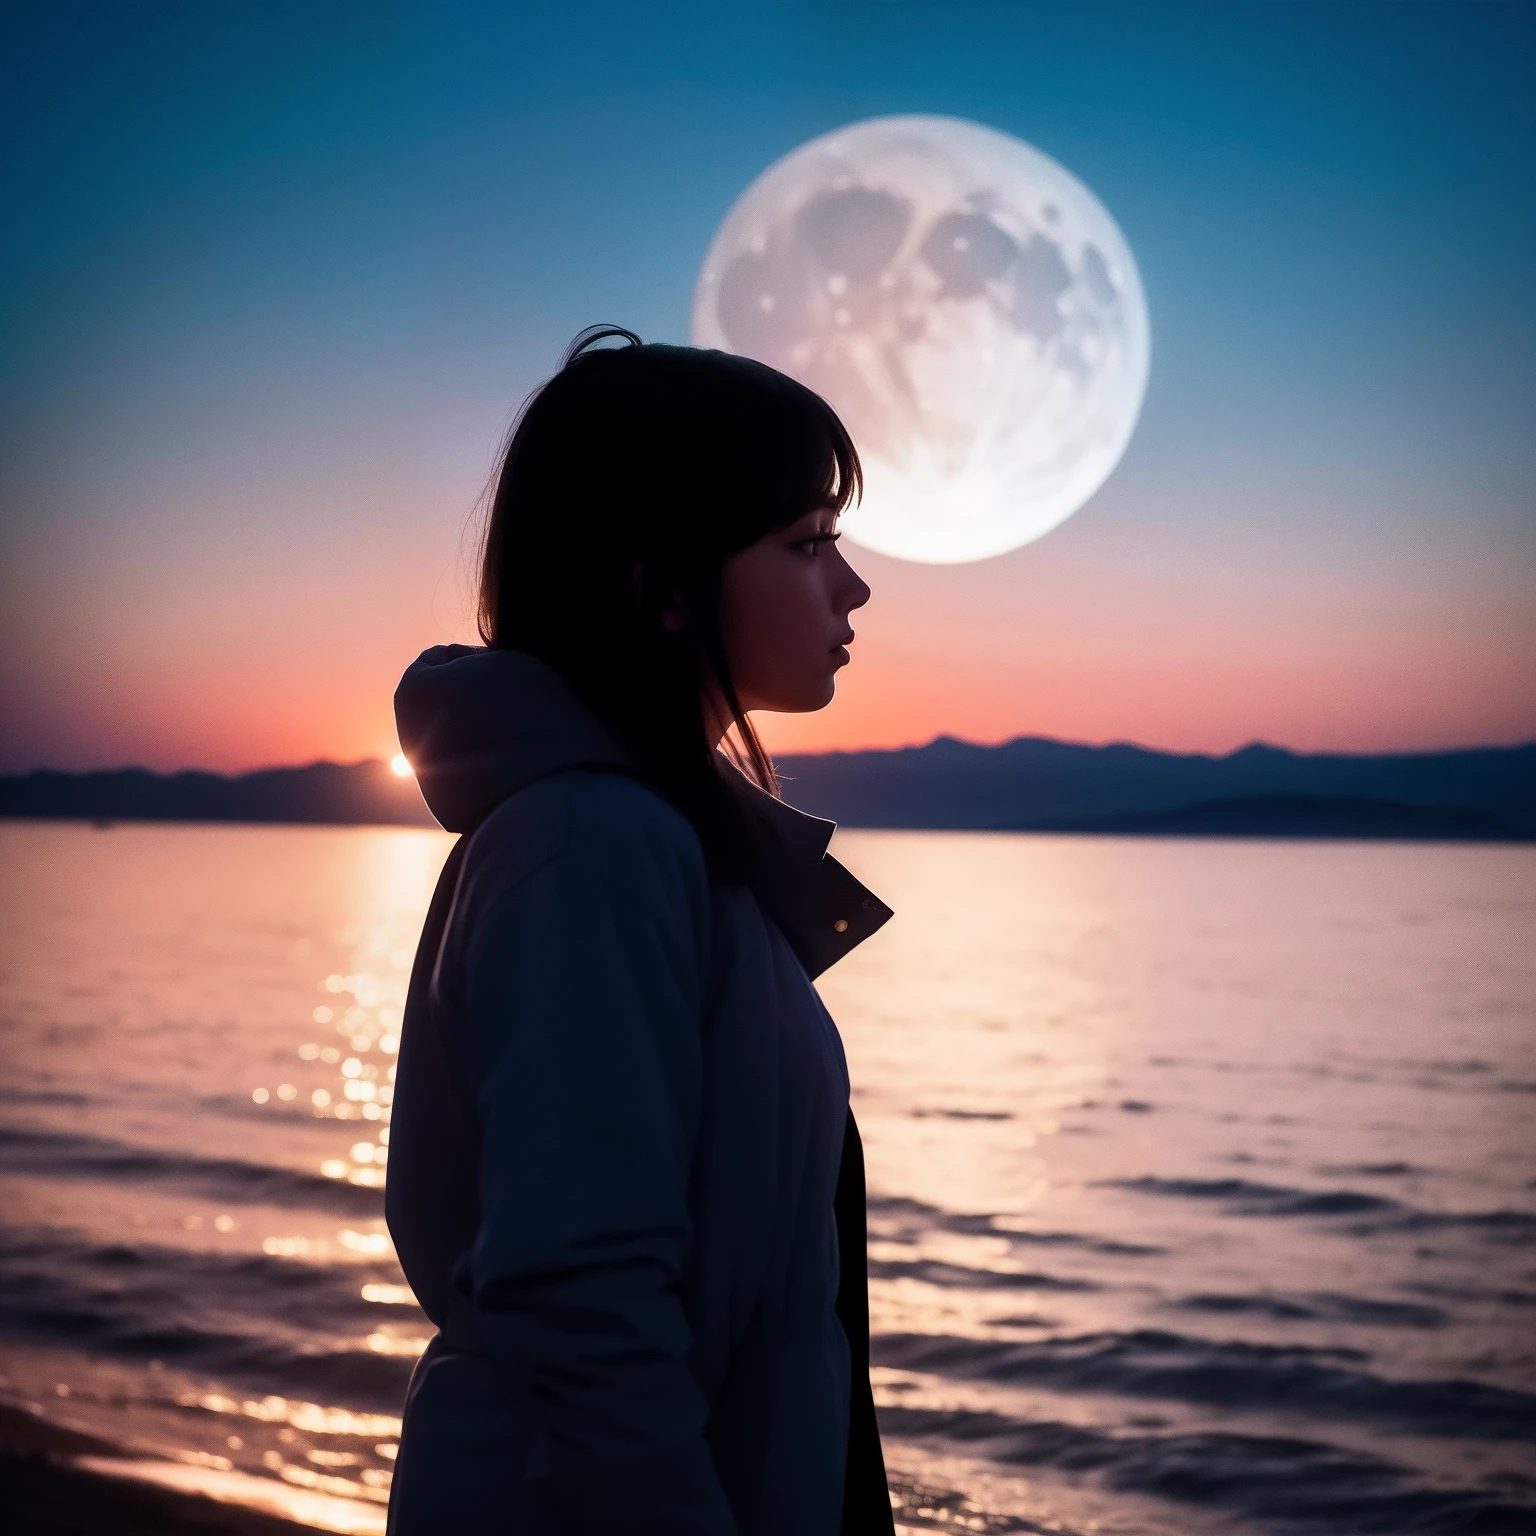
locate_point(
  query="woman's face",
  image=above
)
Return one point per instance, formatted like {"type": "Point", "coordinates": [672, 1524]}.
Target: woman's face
{"type": "Point", "coordinates": [784, 606]}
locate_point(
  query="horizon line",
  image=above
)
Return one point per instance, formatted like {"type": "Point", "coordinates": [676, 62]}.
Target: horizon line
{"type": "Point", "coordinates": [941, 737]}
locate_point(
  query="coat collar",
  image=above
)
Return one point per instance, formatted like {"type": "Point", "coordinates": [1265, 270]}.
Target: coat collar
{"type": "Point", "coordinates": [822, 909]}
{"type": "Point", "coordinates": [478, 725]}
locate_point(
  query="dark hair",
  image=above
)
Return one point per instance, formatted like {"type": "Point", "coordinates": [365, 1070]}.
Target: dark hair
{"type": "Point", "coordinates": [626, 482]}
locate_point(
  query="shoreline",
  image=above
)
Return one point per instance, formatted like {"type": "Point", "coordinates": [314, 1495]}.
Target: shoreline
{"type": "Point", "coordinates": [45, 1491]}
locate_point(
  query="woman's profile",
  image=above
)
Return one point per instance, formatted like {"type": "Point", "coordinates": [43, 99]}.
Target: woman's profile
{"type": "Point", "coordinates": [624, 1180]}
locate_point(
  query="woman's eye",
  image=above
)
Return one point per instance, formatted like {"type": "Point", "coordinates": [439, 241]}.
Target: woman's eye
{"type": "Point", "coordinates": [812, 545]}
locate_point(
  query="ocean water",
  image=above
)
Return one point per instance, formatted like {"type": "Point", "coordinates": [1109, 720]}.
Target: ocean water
{"type": "Point", "coordinates": [1203, 1173]}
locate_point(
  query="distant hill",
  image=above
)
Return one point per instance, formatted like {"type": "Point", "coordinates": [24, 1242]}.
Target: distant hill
{"type": "Point", "coordinates": [337, 793]}
{"type": "Point", "coordinates": [1034, 783]}
{"type": "Point", "coordinates": [1030, 784]}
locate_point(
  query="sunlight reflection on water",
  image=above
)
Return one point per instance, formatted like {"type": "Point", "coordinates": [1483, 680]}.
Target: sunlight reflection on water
{"type": "Point", "coordinates": [163, 966]}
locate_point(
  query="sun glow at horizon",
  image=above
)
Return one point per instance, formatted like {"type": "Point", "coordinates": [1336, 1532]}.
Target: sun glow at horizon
{"type": "Point", "coordinates": [400, 766]}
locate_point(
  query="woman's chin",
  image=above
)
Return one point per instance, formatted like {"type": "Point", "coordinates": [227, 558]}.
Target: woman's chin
{"type": "Point", "coordinates": [802, 701]}
{"type": "Point", "coordinates": [824, 696]}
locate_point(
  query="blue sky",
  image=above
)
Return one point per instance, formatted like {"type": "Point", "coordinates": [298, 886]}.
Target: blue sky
{"type": "Point", "coordinates": [275, 276]}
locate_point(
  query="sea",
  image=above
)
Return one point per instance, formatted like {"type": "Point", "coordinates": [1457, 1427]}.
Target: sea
{"type": "Point", "coordinates": [1202, 1172]}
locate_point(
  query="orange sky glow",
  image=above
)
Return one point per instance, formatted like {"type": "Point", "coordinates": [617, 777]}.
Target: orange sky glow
{"type": "Point", "coordinates": [181, 654]}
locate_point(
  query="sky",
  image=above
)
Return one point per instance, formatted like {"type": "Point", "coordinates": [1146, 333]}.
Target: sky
{"type": "Point", "coordinates": [275, 277]}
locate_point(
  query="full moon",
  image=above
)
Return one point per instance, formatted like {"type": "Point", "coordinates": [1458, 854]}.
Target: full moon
{"type": "Point", "coordinates": [968, 307]}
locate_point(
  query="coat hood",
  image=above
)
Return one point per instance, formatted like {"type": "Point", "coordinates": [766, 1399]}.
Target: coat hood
{"type": "Point", "coordinates": [478, 725]}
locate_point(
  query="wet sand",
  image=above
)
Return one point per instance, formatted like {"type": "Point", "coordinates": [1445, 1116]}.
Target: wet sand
{"type": "Point", "coordinates": [44, 1492]}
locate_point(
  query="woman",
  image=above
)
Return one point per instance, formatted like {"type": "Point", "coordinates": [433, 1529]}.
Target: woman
{"type": "Point", "coordinates": [624, 1181]}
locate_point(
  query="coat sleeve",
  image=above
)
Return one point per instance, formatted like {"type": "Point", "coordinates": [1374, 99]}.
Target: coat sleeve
{"type": "Point", "coordinates": [583, 1010]}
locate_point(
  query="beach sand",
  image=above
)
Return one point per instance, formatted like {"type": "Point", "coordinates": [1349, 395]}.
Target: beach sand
{"type": "Point", "coordinates": [45, 1493]}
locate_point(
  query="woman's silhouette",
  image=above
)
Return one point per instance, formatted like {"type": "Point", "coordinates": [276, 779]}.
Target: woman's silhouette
{"type": "Point", "coordinates": [624, 1181]}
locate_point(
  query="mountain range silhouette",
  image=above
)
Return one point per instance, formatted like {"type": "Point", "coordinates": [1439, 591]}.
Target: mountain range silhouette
{"type": "Point", "coordinates": [1029, 784]}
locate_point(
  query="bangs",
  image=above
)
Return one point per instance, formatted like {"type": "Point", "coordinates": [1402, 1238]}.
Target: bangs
{"type": "Point", "coordinates": [822, 468]}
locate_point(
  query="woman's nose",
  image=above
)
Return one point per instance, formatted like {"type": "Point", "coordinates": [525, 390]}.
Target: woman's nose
{"type": "Point", "coordinates": [855, 592]}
